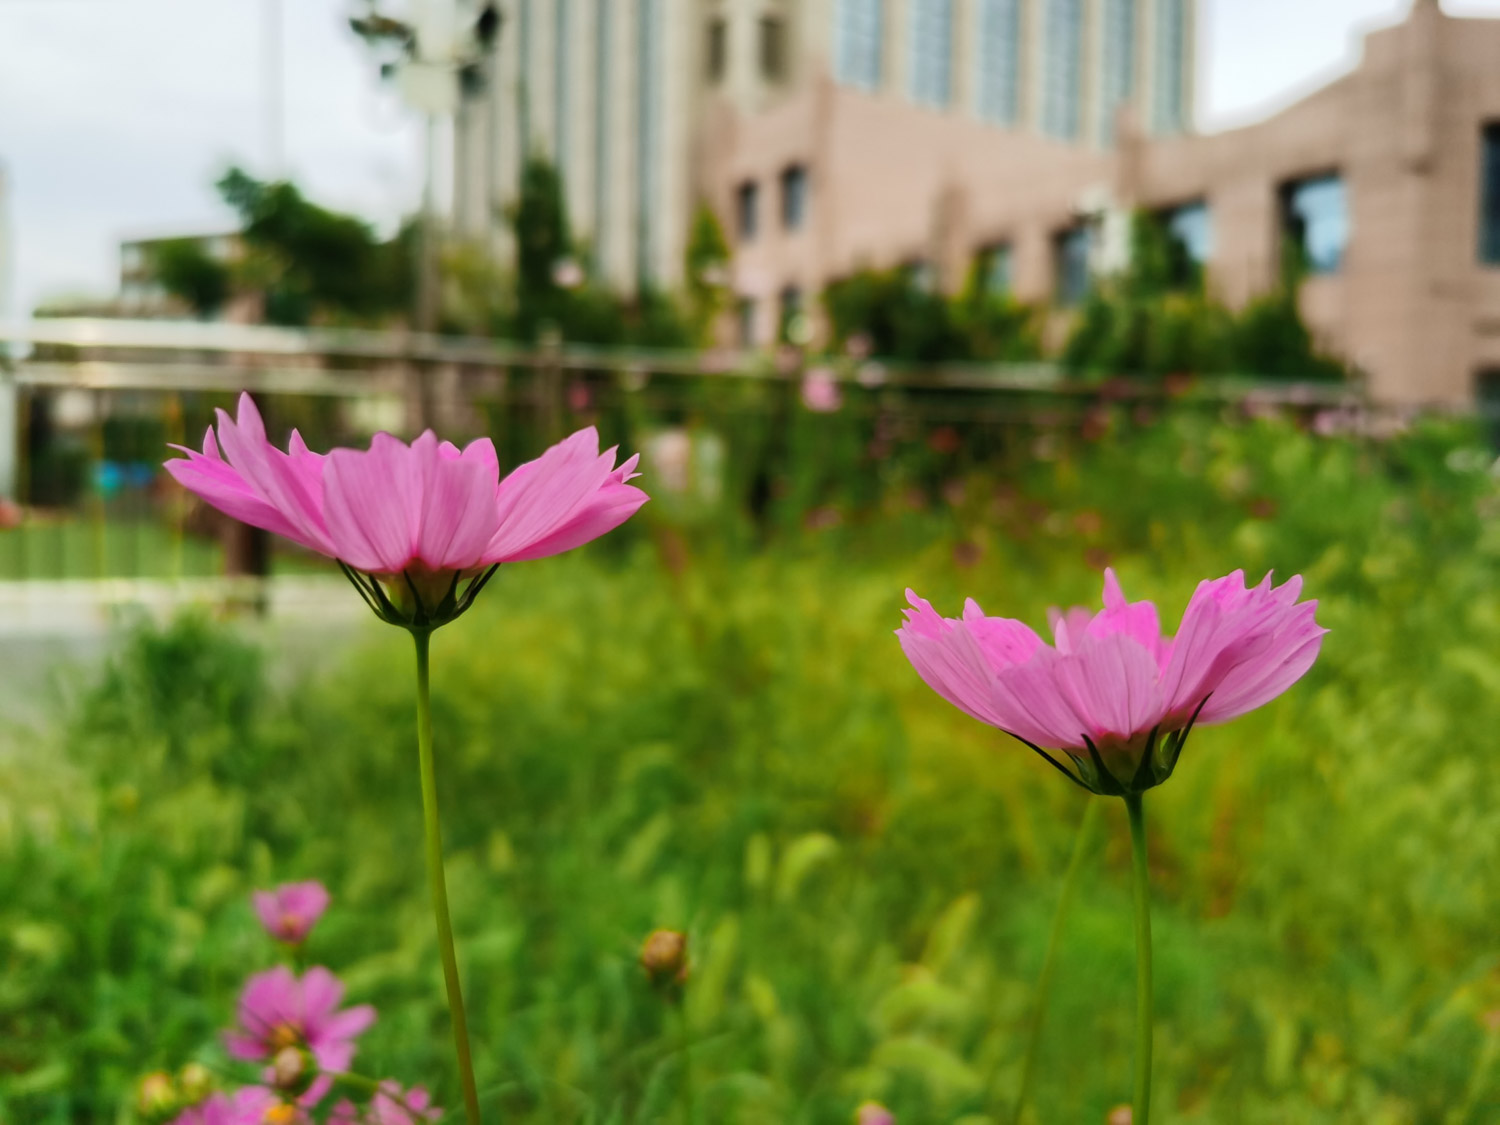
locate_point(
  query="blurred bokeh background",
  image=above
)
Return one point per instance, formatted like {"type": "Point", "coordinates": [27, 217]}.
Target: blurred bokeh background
{"type": "Point", "coordinates": [972, 296]}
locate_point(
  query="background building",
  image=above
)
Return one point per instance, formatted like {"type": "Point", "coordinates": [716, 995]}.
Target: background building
{"type": "Point", "coordinates": [636, 100]}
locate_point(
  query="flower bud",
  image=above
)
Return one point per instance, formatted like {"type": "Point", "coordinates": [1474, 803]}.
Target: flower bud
{"type": "Point", "coordinates": [873, 1113]}
{"type": "Point", "coordinates": [292, 1070]}
{"type": "Point", "coordinates": [1120, 1115]}
{"type": "Point", "coordinates": [195, 1082]}
{"type": "Point", "coordinates": [664, 957]}
{"type": "Point", "coordinates": [155, 1097]}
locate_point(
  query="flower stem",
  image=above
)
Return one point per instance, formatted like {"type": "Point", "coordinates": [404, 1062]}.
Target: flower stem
{"type": "Point", "coordinates": [1049, 959]}
{"type": "Point", "coordinates": [434, 836]}
{"type": "Point", "coordinates": [687, 1063]}
{"type": "Point", "coordinates": [1143, 1004]}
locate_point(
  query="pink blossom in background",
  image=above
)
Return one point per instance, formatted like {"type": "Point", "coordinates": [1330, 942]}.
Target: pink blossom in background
{"type": "Point", "coordinates": [391, 1106]}
{"type": "Point", "coordinates": [252, 1105]}
{"type": "Point", "coordinates": [873, 1113]}
{"type": "Point", "coordinates": [278, 1010]}
{"type": "Point", "coordinates": [820, 391]}
{"type": "Point", "coordinates": [290, 911]}
{"type": "Point", "coordinates": [1111, 682]}
{"type": "Point", "coordinates": [428, 511]}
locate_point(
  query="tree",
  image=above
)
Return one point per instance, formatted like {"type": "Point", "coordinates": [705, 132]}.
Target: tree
{"type": "Point", "coordinates": [190, 273]}
{"type": "Point", "coordinates": [543, 242]}
{"type": "Point", "coordinates": [311, 263]}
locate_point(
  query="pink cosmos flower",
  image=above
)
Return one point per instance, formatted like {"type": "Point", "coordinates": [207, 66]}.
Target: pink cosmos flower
{"type": "Point", "coordinates": [820, 391]}
{"type": "Point", "coordinates": [277, 1011]}
{"type": "Point", "coordinates": [419, 517]}
{"type": "Point", "coordinates": [1111, 685]}
{"type": "Point", "coordinates": [390, 1106]}
{"type": "Point", "coordinates": [873, 1113]}
{"type": "Point", "coordinates": [253, 1105]}
{"type": "Point", "coordinates": [290, 911]}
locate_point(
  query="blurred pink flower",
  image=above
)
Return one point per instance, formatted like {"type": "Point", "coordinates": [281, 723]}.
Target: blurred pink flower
{"type": "Point", "coordinates": [277, 1010]}
{"type": "Point", "coordinates": [290, 911]}
{"type": "Point", "coordinates": [820, 391]}
{"type": "Point", "coordinates": [1111, 686]}
{"type": "Point", "coordinates": [390, 1106]}
{"type": "Point", "coordinates": [873, 1113]}
{"type": "Point", "coordinates": [253, 1105]}
{"type": "Point", "coordinates": [424, 515]}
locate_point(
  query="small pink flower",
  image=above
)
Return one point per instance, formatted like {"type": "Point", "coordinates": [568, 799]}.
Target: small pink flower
{"type": "Point", "coordinates": [1111, 686]}
{"type": "Point", "coordinates": [820, 391]}
{"type": "Point", "coordinates": [419, 518]}
{"type": "Point", "coordinates": [253, 1105]}
{"type": "Point", "coordinates": [277, 1011]}
{"type": "Point", "coordinates": [873, 1113]}
{"type": "Point", "coordinates": [290, 911]}
{"type": "Point", "coordinates": [390, 1106]}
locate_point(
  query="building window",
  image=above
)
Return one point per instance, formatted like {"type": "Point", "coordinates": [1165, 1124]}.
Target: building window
{"type": "Point", "coordinates": [920, 275]}
{"type": "Point", "coordinates": [794, 197]}
{"type": "Point", "coordinates": [1169, 108]}
{"type": "Point", "coordinates": [773, 48]}
{"type": "Point", "coordinates": [747, 210]}
{"type": "Point", "coordinates": [1189, 234]}
{"type": "Point", "coordinates": [648, 69]}
{"type": "Point", "coordinates": [718, 50]}
{"type": "Point", "coordinates": [931, 52]}
{"type": "Point", "coordinates": [1118, 84]}
{"type": "Point", "coordinates": [859, 42]}
{"type": "Point", "coordinates": [790, 308]}
{"type": "Point", "coordinates": [999, 64]}
{"type": "Point", "coordinates": [744, 319]}
{"type": "Point", "coordinates": [1071, 251]}
{"type": "Point", "coordinates": [994, 270]}
{"type": "Point", "coordinates": [1315, 222]}
{"type": "Point", "coordinates": [1489, 196]}
{"type": "Point", "coordinates": [1062, 75]}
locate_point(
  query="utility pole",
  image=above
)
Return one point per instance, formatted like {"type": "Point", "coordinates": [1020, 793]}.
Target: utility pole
{"type": "Point", "coordinates": [273, 61]}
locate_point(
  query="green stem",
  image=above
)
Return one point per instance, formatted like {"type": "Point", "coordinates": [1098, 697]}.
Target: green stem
{"type": "Point", "coordinates": [687, 1062]}
{"type": "Point", "coordinates": [1478, 1080]}
{"type": "Point", "coordinates": [434, 836]}
{"type": "Point", "coordinates": [1049, 959]}
{"type": "Point", "coordinates": [1143, 1005]}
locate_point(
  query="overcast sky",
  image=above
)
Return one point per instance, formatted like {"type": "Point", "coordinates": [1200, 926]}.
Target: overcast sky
{"type": "Point", "coordinates": [116, 115]}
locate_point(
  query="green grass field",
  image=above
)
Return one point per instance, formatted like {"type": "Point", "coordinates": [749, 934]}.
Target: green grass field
{"type": "Point", "coordinates": [674, 729]}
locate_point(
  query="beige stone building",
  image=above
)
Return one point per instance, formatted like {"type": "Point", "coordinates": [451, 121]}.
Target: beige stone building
{"type": "Point", "coordinates": [645, 104]}
{"type": "Point", "coordinates": [834, 134]}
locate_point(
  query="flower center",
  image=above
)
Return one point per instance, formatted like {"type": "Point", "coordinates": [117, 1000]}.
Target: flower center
{"type": "Point", "coordinates": [290, 924]}
{"type": "Point", "coordinates": [281, 1115]}
{"type": "Point", "coordinates": [282, 1036]}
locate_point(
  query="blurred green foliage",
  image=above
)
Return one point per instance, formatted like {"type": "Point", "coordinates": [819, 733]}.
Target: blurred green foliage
{"type": "Point", "coordinates": [1157, 317]}
{"type": "Point", "coordinates": [672, 729]}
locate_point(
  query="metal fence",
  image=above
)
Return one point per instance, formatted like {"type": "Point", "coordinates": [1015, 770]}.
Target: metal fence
{"type": "Point", "coordinates": [87, 407]}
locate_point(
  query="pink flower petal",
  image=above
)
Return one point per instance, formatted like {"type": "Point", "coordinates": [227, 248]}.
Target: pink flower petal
{"type": "Point", "coordinates": [541, 496]}
{"type": "Point", "coordinates": [372, 504]}
{"type": "Point", "coordinates": [458, 514]}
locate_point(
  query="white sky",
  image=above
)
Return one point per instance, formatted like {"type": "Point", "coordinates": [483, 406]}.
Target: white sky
{"type": "Point", "coordinates": [117, 115]}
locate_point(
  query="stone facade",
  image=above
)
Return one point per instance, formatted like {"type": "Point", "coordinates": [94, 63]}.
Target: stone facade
{"type": "Point", "coordinates": [1411, 303]}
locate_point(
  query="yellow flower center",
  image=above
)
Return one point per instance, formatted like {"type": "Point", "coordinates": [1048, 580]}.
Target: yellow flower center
{"type": "Point", "coordinates": [283, 1036]}
{"type": "Point", "coordinates": [281, 1115]}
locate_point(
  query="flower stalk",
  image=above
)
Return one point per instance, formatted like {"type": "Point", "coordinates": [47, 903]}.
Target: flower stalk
{"type": "Point", "coordinates": [433, 834]}
{"type": "Point", "coordinates": [1144, 1016]}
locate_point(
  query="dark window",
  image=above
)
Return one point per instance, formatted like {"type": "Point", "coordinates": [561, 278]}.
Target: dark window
{"type": "Point", "coordinates": [744, 315]}
{"type": "Point", "coordinates": [920, 275]}
{"type": "Point", "coordinates": [794, 197]}
{"type": "Point", "coordinates": [1071, 250]}
{"type": "Point", "coordinates": [1188, 230]}
{"type": "Point", "coordinates": [791, 309]}
{"type": "Point", "coordinates": [773, 48]}
{"type": "Point", "coordinates": [994, 270]}
{"type": "Point", "coordinates": [747, 207]}
{"type": "Point", "coordinates": [1315, 222]}
{"type": "Point", "coordinates": [718, 49]}
{"type": "Point", "coordinates": [1489, 196]}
